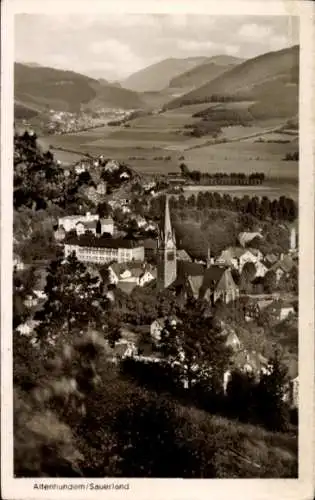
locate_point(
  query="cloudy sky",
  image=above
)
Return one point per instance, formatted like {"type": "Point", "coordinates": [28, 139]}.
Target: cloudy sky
{"type": "Point", "coordinates": [113, 47]}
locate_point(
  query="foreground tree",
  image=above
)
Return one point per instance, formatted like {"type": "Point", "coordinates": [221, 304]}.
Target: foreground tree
{"type": "Point", "coordinates": [195, 347]}
{"type": "Point", "coordinates": [270, 402]}
{"type": "Point", "coordinates": [75, 299]}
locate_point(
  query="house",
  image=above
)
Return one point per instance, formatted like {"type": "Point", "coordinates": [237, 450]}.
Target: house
{"type": "Point", "coordinates": [82, 227]}
{"type": "Point", "coordinates": [270, 259]}
{"type": "Point", "coordinates": [31, 301]}
{"type": "Point", "coordinates": [69, 222]}
{"type": "Point", "coordinates": [111, 166]}
{"type": "Point", "coordinates": [285, 312]}
{"type": "Point", "coordinates": [107, 225]}
{"type": "Point", "coordinates": [254, 308]}
{"type": "Point", "coordinates": [232, 341]}
{"type": "Point", "coordinates": [28, 327]}
{"type": "Point", "coordinates": [123, 349]}
{"type": "Point", "coordinates": [18, 263]}
{"type": "Point", "coordinates": [79, 168]}
{"type": "Point", "coordinates": [237, 257]}
{"type": "Point", "coordinates": [283, 267]}
{"type": "Point", "coordinates": [249, 362]}
{"type": "Point", "coordinates": [101, 188]}
{"type": "Point", "coordinates": [137, 273]}
{"type": "Point", "coordinates": [261, 269]}
{"type": "Point", "coordinates": [141, 221]}
{"type": "Point", "coordinates": [158, 325]}
{"type": "Point", "coordinates": [124, 176]}
{"type": "Point", "coordinates": [246, 237]}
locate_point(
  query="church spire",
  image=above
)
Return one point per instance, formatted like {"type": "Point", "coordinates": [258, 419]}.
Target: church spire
{"type": "Point", "coordinates": [208, 257]}
{"type": "Point", "coordinates": [167, 266]}
{"type": "Point", "coordinates": [168, 233]}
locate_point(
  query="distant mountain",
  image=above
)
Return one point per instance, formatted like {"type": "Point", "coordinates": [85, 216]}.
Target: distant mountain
{"type": "Point", "coordinates": [32, 64]}
{"type": "Point", "coordinates": [48, 88]}
{"type": "Point", "coordinates": [205, 72]}
{"type": "Point", "coordinates": [157, 76]}
{"type": "Point", "coordinates": [271, 80]}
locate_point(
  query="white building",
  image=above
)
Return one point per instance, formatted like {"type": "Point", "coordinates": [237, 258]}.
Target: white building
{"type": "Point", "coordinates": [69, 222]}
{"type": "Point", "coordinates": [101, 251]}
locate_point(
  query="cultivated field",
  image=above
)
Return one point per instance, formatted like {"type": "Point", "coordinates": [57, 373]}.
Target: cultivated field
{"type": "Point", "coordinates": [245, 157]}
{"type": "Point", "coordinates": [155, 144]}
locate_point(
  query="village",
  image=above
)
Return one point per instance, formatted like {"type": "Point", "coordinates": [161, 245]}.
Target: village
{"type": "Point", "coordinates": [144, 253]}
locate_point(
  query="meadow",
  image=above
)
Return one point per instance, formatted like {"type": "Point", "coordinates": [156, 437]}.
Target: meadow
{"type": "Point", "coordinates": [155, 144]}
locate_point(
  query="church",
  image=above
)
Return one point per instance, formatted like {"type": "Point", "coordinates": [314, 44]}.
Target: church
{"type": "Point", "coordinates": [190, 279]}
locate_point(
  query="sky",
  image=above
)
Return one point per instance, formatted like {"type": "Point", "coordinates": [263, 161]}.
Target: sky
{"type": "Point", "coordinates": [113, 47]}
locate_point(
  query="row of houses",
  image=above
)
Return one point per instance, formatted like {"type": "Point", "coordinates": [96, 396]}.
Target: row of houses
{"type": "Point", "coordinates": [82, 224]}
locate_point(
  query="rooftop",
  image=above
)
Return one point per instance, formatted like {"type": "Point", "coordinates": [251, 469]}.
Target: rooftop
{"type": "Point", "coordinates": [89, 241]}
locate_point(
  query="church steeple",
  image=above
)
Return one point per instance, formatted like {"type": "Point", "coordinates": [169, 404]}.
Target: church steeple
{"type": "Point", "coordinates": [167, 266]}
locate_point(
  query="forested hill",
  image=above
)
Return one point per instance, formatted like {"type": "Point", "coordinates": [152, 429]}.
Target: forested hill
{"type": "Point", "coordinates": [38, 88]}
{"type": "Point", "coordinates": [271, 80]}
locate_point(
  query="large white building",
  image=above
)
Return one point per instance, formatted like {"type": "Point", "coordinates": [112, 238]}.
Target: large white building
{"type": "Point", "coordinates": [104, 250]}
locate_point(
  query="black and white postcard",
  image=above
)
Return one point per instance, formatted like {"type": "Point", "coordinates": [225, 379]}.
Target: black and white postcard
{"type": "Point", "coordinates": [157, 248]}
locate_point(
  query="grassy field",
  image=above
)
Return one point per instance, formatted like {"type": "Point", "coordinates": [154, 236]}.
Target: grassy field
{"type": "Point", "coordinates": [244, 157]}
{"type": "Point", "coordinates": [148, 140]}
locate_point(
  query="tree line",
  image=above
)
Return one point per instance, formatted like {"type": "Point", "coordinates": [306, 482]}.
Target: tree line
{"type": "Point", "coordinates": [283, 208]}
{"type": "Point", "coordinates": [220, 178]}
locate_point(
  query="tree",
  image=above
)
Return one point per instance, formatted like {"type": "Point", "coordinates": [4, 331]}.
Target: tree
{"type": "Point", "coordinates": [47, 411]}
{"type": "Point", "coordinates": [270, 404]}
{"type": "Point", "coordinates": [247, 276]}
{"type": "Point", "coordinates": [23, 284]}
{"type": "Point", "coordinates": [74, 299]}
{"type": "Point", "coordinates": [195, 347]}
{"type": "Point", "coordinates": [270, 281]}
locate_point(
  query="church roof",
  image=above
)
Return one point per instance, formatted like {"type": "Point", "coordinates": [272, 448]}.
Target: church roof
{"type": "Point", "coordinates": [183, 255]}
{"type": "Point", "coordinates": [186, 268]}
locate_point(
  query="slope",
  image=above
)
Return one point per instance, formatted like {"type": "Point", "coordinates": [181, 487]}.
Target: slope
{"type": "Point", "coordinates": [270, 79]}
{"type": "Point", "coordinates": [45, 88]}
{"type": "Point", "coordinates": [205, 72]}
{"type": "Point", "coordinates": [157, 76]}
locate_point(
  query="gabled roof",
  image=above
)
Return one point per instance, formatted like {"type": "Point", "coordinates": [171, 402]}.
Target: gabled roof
{"type": "Point", "coordinates": [252, 358]}
{"type": "Point", "coordinates": [150, 244]}
{"type": "Point", "coordinates": [232, 339]}
{"type": "Point", "coordinates": [245, 237]}
{"type": "Point", "coordinates": [92, 242]}
{"type": "Point", "coordinates": [107, 220]}
{"type": "Point", "coordinates": [90, 224]}
{"type": "Point", "coordinates": [232, 253]}
{"type": "Point", "coordinates": [183, 255]}
{"type": "Point", "coordinates": [186, 268]}
{"type": "Point", "coordinates": [126, 286]}
{"type": "Point", "coordinates": [286, 264]}
{"type": "Point", "coordinates": [195, 283]}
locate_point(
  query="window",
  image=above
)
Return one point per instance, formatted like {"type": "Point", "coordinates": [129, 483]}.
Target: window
{"type": "Point", "coordinates": [170, 256]}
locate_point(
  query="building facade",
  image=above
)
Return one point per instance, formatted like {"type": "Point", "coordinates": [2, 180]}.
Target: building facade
{"type": "Point", "coordinates": [100, 251]}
